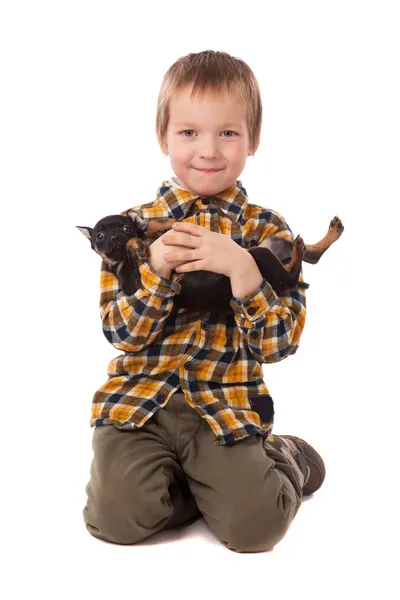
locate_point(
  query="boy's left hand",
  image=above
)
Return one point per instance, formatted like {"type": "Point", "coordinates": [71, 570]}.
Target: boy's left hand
{"type": "Point", "coordinates": [203, 249]}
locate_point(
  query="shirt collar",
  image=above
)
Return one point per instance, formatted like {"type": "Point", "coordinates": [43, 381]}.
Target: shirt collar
{"type": "Point", "coordinates": [177, 201]}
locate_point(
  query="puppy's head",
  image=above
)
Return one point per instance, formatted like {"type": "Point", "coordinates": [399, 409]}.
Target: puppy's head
{"type": "Point", "coordinates": [109, 236]}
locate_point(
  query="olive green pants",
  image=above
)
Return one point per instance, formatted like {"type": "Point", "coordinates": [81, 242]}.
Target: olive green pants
{"type": "Point", "coordinates": [169, 473]}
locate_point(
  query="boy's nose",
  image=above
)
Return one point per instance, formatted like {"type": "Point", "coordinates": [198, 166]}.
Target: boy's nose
{"type": "Point", "coordinates": [209, 149]}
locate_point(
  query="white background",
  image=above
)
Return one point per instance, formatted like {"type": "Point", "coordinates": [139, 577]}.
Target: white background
{"type": "Point", "coordinates": [79, 86]}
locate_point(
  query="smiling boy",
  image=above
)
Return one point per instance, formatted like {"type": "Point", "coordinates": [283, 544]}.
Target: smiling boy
{"type": "Point", "coordinates": [183, 424]}
{"type": "Point", "coordinates": [206, 160]}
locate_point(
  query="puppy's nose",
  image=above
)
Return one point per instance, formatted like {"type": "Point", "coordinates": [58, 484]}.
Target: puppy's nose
{"type": "Point", "coordinates": [115, 238]}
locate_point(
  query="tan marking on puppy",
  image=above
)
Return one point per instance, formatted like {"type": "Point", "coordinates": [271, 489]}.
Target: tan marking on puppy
{"type": "Point", "coordinates": [137, 247]}
{"type": "Point", "coordinates": [157, 227]}
{"type": "Point", "coordinates": [298, 252]}
{"type": "Point", "coordinates": [107, 260]}
{"type": "Point", "coordinates": [315, 251]}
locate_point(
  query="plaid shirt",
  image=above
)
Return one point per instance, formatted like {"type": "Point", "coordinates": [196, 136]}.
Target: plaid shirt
{"type": "Point", "coordinates": [214, 357]}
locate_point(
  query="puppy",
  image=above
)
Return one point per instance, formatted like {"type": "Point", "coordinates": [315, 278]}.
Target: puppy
{"type": "Point", "coordinates": [122, 241]}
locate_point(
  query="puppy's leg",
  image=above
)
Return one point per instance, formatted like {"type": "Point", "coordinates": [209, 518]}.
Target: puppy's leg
{"type": "Point", "coordinates": [157, 227]}
{"type": "Point", "coordinates": [136, 247]}
{"type": "Point", "coordinates": [314, 252]}
{"type": "Point", "coordinates": [299, 249]}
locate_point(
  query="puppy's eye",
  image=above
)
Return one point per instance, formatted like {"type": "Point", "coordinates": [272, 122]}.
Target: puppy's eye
{"type": "Point", "coordinates": [127, 229]}
{"type": "Point", "coordinates": [99, 236]}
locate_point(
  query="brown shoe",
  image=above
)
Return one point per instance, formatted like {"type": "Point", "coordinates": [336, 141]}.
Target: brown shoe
{"type": "Point", "coordinates": [310, 462]}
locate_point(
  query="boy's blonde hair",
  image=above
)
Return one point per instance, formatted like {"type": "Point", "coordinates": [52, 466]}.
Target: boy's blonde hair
{"type": "Point", "coordinates": [211, 70]}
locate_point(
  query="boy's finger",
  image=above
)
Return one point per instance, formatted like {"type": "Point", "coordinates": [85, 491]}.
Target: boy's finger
{"type": "Point", "coordinates": [181, 239]}
{"type": "Point", "coordinates": [191, 228]}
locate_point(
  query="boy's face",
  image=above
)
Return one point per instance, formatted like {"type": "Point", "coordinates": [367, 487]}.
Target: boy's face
{"type": "Point", "coordinates": [207, 132]}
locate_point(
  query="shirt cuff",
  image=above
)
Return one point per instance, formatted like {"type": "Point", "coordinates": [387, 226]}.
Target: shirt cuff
{"type": "Point", "coordinates": [257, 304]}
{"type": "Point", "coordinates": [157, 284]}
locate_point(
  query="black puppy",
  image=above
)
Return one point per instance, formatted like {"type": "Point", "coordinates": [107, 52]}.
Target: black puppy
{"type": "Point", "coordinates": [122, 240]}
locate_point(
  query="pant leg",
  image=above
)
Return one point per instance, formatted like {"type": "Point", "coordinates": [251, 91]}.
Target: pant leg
{"type": "Point", "coordinates": [248, 492]}
{"type": "Point", "coordinates": [137, 486]}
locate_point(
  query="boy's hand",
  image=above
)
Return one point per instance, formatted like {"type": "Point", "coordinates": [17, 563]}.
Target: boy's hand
{"type": "Point", "coordinates": [157, 260]}
{"type": "Point", "coordinates": [203, 250]}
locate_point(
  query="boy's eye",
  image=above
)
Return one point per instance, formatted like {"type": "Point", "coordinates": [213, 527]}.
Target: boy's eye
{"type": "Point", "coordinates": [226, 131]}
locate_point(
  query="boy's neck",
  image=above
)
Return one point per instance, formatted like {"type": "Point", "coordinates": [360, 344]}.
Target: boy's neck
{"type": "Point", "coordinates": [179, 184]}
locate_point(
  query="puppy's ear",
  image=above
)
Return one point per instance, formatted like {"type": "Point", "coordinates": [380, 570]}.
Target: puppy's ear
{"type": "Point", "coordinates": [87, 231]}
{"type": "Point", "coordinates": [141, 224]}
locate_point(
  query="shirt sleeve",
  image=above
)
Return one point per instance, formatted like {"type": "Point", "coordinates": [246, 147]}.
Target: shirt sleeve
{"type": "Point", "coordinates": [130, 323]}
{"type": "Point", "coordinates": [271, 324]}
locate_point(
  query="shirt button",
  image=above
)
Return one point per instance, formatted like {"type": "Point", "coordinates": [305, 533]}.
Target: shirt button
{"type": "Point", "coordinates": [254, 333]}
{"type": "Point", "coordinates": [205, 201]}
{"type": "Point", "coordinates": [204, 325]}
{"type": "Point", "coordinates": [252, 310]}
{"type": "Point", "coordinates": [159, 398]}
{"type": "Point", "coordinates": [187, 365]}
{"type": "Point", "coordinates": [247, 303]}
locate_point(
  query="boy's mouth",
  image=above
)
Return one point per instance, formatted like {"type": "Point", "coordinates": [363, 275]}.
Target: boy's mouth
{"type": "Point", "coordinates": [209, 170]}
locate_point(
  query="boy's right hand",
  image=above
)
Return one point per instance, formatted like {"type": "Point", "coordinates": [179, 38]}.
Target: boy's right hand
{"type": "Point", "coordinates": [157, 260]}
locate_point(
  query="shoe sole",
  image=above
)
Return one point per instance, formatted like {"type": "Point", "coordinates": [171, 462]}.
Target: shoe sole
{"type": "Point", "coordinates": [317, 466]}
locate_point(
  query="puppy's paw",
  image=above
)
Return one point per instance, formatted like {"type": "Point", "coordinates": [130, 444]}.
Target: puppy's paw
{"type": "Point", "coordinates": [299, 247]}
{"type": "Point", "coordinates": [137, 248]}
{"type": "Point", "coordinates": [335, 228]}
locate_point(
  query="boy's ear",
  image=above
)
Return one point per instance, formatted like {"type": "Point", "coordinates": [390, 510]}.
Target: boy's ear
{"type": "Point", "coordinates": [252, 150]}
{"type": "Point", "coordinates": [163, 143]}
{"type": "Point", "coordinates": [164, 148]}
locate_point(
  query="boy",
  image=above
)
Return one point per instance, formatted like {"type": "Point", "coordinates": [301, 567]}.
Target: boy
{"type": "Point", "coordinates": [183, 424]}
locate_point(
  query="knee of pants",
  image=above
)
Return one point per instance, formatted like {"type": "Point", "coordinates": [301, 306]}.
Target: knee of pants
{"type": "Point", "coordinates": [126, 518]}
{"type": "Point", "coordinates": [259, 525]}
